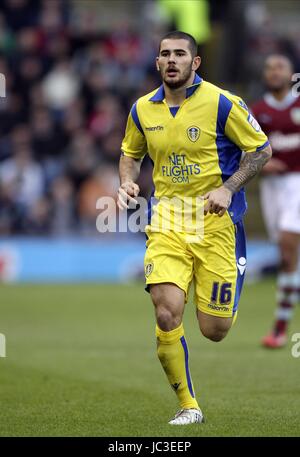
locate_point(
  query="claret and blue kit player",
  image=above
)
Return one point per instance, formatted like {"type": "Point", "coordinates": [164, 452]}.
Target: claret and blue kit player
{"type": "Point", "coordinates": [279, 114]}
{"type": "Point", "coordinates": [203, 142]}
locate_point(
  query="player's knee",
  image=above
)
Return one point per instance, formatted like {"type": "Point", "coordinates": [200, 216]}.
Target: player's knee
{"type": "Point", "coordinates": [168, 308]}
{"type": "Point", "coordinates": [166, 319]}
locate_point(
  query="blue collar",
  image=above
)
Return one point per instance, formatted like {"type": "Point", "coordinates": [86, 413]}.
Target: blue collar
{"type": "Point", "coordinates": [160, 93]}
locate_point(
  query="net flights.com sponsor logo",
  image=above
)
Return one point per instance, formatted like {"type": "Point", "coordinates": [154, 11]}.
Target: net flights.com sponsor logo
{"type": "Point", "coordinates": [178, 170]}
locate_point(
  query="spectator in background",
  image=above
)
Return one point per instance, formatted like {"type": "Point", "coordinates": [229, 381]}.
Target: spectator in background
{"type": "Point", "coordinates": [60, 87]}
{"type": "Point", "coordinates": [81, 157]}
{"type": "Point", "coordinates": [74, 119]}
{"type": "Point", "coordinates": [110, 146]}
{"type": "Point", "coordinates": [69, 83]}
{"type": "Point", "coordinates": [106, 116]}
{"type": "Point", "coordinates": [104, 182]}
{"type": "Point", "coordinates": [36, 221]}
{"type": "Point", "coordinates": [49, 142]}
{"type": "Point", "coordinates": [24, 175]}
{"type": "Point", "coordinates": [22, 183]}
{"type": "Point", "coordinates": [29, 72]}
{"type": "Point", "coordinates": [61, 121]}
{"type": "Point", "coordinates": [48, 139]}
{"type": "Point", "coordinates": [63, 220]}
{"type": "Point", "coordinates": [7, 39]}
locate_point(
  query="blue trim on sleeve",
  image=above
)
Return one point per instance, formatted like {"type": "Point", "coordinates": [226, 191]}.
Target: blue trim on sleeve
{"type": "Point", "coordinates": [187, 371]}
{"type": "Point", "coordinates": [135, 118]}
{"type": "Point", "coordinates": [240, 251]}
{"type": "Point", "coordinates": [263, 146]}
{"type": "Point", "coordinates": [229, 159]}
{"type": "Point", "coordinates": [224, 108]}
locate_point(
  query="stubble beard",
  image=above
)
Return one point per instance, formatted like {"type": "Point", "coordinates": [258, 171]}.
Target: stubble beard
{"type": "Point", "coordinates": [280, 87]}
{"type": "Point", "coordinates": [181, 82]}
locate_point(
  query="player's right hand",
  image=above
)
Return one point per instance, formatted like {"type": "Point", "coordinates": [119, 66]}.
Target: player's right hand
{"type": "Point", "coordinates": [126, 193]}
{"type": "Point", "coordinates": [274, 167]}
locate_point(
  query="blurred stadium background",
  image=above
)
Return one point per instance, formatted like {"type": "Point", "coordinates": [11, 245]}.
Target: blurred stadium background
{"type": "Point", "coordinates": [73, 69]}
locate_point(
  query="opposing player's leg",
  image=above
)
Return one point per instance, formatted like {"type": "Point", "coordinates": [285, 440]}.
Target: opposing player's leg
{"type": "Point", "coordinates": [219, 274]}
{"type": "Point", "coordinates": [271, 191]}
{"type": "Point", "coordinates": [169, 271]}
{"type": "Point", "coordinates": [284, 194]}
{"type": "Point", "coordinates": [288, 285]}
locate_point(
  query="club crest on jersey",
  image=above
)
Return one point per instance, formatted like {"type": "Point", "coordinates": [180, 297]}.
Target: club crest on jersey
{"type": "Point", "coordinates": [193, 133]}
{"type": "Point", "coordinates": [295, 115]}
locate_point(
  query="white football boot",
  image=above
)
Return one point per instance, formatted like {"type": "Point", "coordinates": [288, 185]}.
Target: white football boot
{"type": "Point", "coordinates": [187, 416]}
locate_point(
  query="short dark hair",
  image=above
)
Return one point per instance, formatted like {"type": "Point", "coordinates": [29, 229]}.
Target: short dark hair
{"type": "Point", "coordinates": [177, 34]}
{"type": "Point", "coordinates": [281, 56]}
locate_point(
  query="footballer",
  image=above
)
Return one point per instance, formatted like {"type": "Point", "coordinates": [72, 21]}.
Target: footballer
{"type": "Point", "coordinates": [203, 142]}
{"type": "Point", "coordinates": [278, 112]}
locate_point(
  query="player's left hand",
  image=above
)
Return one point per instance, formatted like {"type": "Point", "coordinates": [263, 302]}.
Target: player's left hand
{"type": "Point", "coordinates": [218, 201]}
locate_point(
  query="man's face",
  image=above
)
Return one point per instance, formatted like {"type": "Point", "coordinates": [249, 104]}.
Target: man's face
{"type": "Point", "coordinates": [277, 73]}
{"type": "Point", "coordinates": [175, 62]}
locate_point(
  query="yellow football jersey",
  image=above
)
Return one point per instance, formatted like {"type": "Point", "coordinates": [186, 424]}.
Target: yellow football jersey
{"type": "Point", "coordinates": [196, 147]}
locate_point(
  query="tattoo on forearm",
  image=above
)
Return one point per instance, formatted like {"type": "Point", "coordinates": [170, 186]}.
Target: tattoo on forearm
{"type": "Point", "coordinates": [249, 167]}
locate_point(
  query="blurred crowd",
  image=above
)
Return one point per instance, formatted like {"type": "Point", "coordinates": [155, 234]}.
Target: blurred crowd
{"type": "Point", "coordinates": [62, 120]}
{"type": "Point", "coordinates": [70, 85]}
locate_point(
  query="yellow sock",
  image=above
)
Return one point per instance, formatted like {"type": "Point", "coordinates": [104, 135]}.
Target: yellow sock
{"type": "Point", "coordinates": [173, 354]}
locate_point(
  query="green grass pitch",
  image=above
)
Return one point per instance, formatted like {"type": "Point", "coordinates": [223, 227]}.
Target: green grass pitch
{"type": "Point", "coordinates": [81, 361]}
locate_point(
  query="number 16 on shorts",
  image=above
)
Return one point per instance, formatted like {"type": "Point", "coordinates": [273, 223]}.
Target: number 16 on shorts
{"type": "Point", "coordinates": [221, 293]}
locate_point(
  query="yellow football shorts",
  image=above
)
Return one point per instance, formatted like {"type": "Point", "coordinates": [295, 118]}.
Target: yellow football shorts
{"type": "Point", "coordinates": [216, 264]}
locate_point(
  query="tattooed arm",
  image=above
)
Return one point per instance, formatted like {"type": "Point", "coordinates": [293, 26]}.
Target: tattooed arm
{"type": "Point", "coordinates": [251, 164]}
{"type": "Point", "coordinates": [218, 200]}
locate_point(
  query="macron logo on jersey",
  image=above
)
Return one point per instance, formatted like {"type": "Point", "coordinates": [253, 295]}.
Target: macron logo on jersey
{"type": "Point", "coordinates": [157, 128]}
